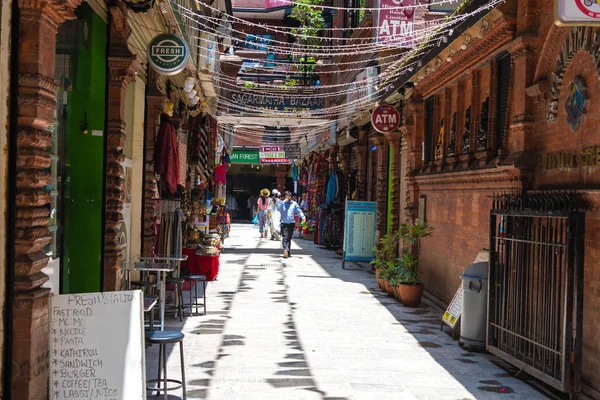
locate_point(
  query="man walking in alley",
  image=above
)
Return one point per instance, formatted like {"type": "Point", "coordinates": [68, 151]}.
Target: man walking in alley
{"type": "Point", "coordinates": [288, 208]}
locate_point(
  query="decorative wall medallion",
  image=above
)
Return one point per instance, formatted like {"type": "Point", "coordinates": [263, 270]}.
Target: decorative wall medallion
{"type": "Point", "coordinates": [580, 38]}
{"type": "Point", "coordinates": [576, 103]}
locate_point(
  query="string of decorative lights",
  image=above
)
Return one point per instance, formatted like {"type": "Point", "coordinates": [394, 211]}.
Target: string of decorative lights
{"type": "Point", "coordinates": [194, 16]}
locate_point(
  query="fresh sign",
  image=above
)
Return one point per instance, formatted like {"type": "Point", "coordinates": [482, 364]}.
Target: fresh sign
{"type": "Point", "coordinates": [168, 54]}
{"type": "Point", "coordinates": [385, 118]}
{"type": "Point", "coordinates": [577, 12]}
{"type": "Point", "coordinates": [395, 23]}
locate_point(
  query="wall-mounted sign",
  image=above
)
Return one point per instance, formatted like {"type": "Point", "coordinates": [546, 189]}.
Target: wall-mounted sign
{"type": "Point", "coordinates": [395, 23]}
{"type": "Point", "coordinates": [576, 12]}
{"type": "Point", "coordinates": [565, 160]}
{"type": "Point", "coordinates": [385, 118]}
{"type": "Point", "coordinates": [276, 103]}
{"type": "Point", "coordinates": [576, 103]}
{"type": "Point", "coordinates": [168, 54]}
{"type": "Point", "coordinates": [244, 157]}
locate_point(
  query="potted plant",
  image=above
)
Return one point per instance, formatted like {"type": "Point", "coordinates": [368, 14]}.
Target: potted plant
{"type": "Point", "coordinates": [410, 288]}
{"type": "Point", "coordinates": [385, 256]}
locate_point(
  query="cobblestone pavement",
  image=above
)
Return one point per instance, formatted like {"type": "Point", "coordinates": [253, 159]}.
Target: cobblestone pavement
{"type": "Point", "coordinates": [303, 328]}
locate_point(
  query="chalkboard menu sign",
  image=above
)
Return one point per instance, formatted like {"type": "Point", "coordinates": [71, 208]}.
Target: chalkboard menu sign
{"type": "Point", "coordinates": [97, 346]}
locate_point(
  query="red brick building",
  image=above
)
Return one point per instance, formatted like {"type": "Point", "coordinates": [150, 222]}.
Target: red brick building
{"type": "Point", "coordinates": [488, 115]}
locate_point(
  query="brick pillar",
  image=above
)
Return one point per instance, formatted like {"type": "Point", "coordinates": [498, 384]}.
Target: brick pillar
{"type": "Point", "coordinates": [38, 25]}
{"type": "Point", "coordinates": [382, 177]}
{"type": "Point", "coordinates": [121, 72]}
{"type": "Point", "coordinates": [155, 102]}
{"type": "Point", "coordinates": [521, 130]}
{"type": "Point", "coordinates": [361, 153]}
{"type": "Point", "coordinates": [280, 174]}
{"type": "Point", "coordinates": [394, 139]}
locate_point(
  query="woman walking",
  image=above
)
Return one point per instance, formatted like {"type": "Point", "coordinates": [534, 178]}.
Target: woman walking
{"type": "Point", "coordinates": [262, 205]}
{"type": "Point", "coordinates": [274, 215]}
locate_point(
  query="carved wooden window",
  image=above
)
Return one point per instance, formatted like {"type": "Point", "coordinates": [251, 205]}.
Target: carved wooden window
{"type": "Point", "coordinates": [429, 126]}
{"type": "Point", "coordinates": [503, 82]}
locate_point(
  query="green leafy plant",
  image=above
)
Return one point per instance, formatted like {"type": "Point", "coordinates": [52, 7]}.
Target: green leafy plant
{"type": "Point", "coordinates": [408, 262]}
{"type": "Point", "coordinates": [385, 255]}
{"type": "Point", "coordinates": [311, 21]}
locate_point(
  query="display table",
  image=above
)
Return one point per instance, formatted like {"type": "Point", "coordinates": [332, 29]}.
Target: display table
{"type": "Point", "coordinates": [201, 265]}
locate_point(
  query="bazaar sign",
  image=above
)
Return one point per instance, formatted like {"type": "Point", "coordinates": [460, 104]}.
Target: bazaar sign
{"type": "Point", "coordinates": [276, 103]}
{"type": "Point", "coordinates": [395, 23]}
{"type": "Point", "coordinates": [385, 118]}
{"type": "Point", "coordinates": [577, 12]}
{"type": "Point", "coordinates": [168, 54]}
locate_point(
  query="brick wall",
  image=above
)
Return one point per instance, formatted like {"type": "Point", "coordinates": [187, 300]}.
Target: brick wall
{"type": "Point", "coordinates": [557, 137]}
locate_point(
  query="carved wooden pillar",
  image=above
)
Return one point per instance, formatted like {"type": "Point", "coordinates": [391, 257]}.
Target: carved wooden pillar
{"type": "Point", "coordinates": [361, 153]}
{"type": "Point", "coordinates": [38, 25]}
{"type": "Point", "coordinates": [280, 174]}
{"type": "Point", "coordinates": [395, 139]}
{"type": "Point", "coordinates": [382, 178]}
{"type": "Point", "coordinates": [121, 72]}
{"type": "Point", "coordinates": [155, 102]}
{"type": "Point", "coordinates": [414, 133]}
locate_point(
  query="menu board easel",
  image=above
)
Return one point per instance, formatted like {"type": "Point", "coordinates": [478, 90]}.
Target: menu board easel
{"type": "Point", "coordinates": [97, 346]}
{"type": "Point", "coordinates": [359, 235]}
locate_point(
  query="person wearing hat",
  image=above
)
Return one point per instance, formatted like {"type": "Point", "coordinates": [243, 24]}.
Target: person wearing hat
{"type": "Point", "coordinates": [262, 205]}
{"type": "Point", "coordinates": [288, 208]}
{"type": "Point", "coordinates": [274, 215]}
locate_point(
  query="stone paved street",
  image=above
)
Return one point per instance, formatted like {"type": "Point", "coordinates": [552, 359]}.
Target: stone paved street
{"type": "Point", "coordinates": [303, 328]}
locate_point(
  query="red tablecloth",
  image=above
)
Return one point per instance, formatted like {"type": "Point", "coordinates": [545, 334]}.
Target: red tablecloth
{"type": "Point", "coordinates": [201, 265]}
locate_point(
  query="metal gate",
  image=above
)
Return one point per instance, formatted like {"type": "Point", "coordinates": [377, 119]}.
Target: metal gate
{"type": "Point", "coordinates": [535, 301]}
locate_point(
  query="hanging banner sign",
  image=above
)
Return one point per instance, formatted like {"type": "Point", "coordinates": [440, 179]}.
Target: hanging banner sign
{"type": "Point", "coordinates": [275, 103]}
{"type": "Point", "coordinates": [359, 237]}
{"type": "Point", "coordinates": [271, 153]}
{"type": "Point", "coordinates": [168, 54]}
{"type": "Point", "coordinates": [577, 12]}
{"type": "Point", "coordinates": [385, 118]}
{"type": "Point", "coordinates": [395, 23]}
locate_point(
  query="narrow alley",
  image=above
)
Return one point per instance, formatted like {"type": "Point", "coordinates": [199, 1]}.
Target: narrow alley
{"type": "Point", "coordinates": [303, 328]}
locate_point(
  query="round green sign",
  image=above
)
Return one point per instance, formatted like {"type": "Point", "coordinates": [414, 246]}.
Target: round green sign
{"type": "Point", "coordinates": [168, 54]}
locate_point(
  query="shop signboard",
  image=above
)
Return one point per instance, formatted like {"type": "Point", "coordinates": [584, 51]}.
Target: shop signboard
{"type": "Point", "coordinates": [359, 236]}
{"type": "Point", "coordinates": [385, 118]}
{"type": "Point", "coordinates": [97, 346]}
{"type": "Point", "coordinates": [577, 12]}
{"type": "Point", "coordinates": [239, 156]}
{"type": "Point", "coordinates": [208, 52]}
{"type": "Point", "coordinates": [277, 102]}
{"type": "Point", "coordinates": [362, 89]}
{"type": "Point", "coordinates": [168, 53]}
{"type": "Point", "coordinates": [277, 3]}
{"type": "Point", "coordinates": [275, 161]}
{"type": "Point", "coordinates": [395, 23]}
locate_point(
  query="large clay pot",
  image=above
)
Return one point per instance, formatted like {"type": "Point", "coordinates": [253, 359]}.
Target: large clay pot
{"type": "Point", "coordinates": [379, 281]}
{"type": "Point", "coordinates": [387, 287]}
{"type": "Point", "coordinates": [397, 293]}
{"type": "Point", "coordinates": [411, 294]}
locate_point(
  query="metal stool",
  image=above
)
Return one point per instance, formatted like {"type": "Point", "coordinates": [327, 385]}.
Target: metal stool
{"type": "Point", "coordinates": [194, 279]}
{"type": "Point", "coordinates": [162, 338]}
{"type": "Point", "coordinates": [179, 306]}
